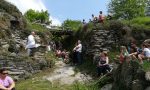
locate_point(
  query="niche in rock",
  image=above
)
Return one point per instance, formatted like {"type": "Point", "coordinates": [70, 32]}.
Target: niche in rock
{"type": "Point", "coordinates": [15, 24]}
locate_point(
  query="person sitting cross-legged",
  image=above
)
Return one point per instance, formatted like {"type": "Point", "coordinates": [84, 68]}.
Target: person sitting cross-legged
{"type": "Point", "coordinates": [6, 82]}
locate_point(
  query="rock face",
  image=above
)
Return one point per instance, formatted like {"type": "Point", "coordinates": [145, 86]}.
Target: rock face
{"type": "Point", "coordinates": [99, 40]}
{"type": "Point", "coordinates": [130, 76]}
{"type": "Point", "coordinates": [10, 16]}
{"type": "Point", "coordinates": [13, 38]}
{"type": "Point", "coordinates": [20, 66]}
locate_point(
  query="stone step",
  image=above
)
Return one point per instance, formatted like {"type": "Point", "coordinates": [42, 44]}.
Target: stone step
{"type": "Point", "coordinates": [15, 73]}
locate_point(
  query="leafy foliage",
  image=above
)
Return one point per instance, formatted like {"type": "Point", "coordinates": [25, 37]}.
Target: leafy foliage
{"type": "Point", "coordinates": [127, 9]}
{"type": "Point", "coordinates": [36, 16]}
{"type": "Point", "coordinates": [71, 24]}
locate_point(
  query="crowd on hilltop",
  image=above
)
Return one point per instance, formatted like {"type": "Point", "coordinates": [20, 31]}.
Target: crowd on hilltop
{"type": "Point", "coordinates": [99, 19]}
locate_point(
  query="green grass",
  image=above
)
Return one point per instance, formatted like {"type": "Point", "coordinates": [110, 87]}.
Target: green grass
{"type": "Point", "coordinates": [37, 27]}
{"type": "Point", "coordinates": [146, 66]}
{"type": "Point", "coordinates": [38, 83]}
{"type": "Point", "coordinates": [87, 67]}
{"type": "Point", "coordinates": [143, 22]}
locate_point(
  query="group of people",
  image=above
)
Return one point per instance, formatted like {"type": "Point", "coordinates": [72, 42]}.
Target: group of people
{"type": "Point", "coordinates": [135, 53]}
{"type": "Point", "coordinates": [132, 52]}
{"type": "Point", "coordinates": [99, 19]}
{"type": "Point", "coordinates": [63, 54]}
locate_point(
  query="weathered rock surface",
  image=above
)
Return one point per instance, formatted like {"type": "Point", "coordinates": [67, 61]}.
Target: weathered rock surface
{"type": "Point", "coordinates": [130, 76]}
{"type": "Point", "coordinates": [13, 38]}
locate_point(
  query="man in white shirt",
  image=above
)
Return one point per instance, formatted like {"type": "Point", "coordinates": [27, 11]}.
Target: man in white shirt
{"type": "Point", "coordinates": [31, 45]}
{"type": "Point", "coordinates": [78, 50]}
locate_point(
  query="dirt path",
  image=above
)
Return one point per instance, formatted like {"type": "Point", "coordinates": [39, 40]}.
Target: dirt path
{"type": "Point", "coordinates": [65, 74]}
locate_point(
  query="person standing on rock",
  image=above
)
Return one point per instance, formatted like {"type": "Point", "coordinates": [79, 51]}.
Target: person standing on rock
{"type": "Point", "coordinates": [78, 50]}
{"type": "Point", "coordinates": [31, 45]}
{"type": "Point", "coordinates": [6, 82]}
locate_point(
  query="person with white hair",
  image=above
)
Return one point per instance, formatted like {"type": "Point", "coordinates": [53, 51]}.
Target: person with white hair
{"type": "Point", "coordinates": [31, 45]}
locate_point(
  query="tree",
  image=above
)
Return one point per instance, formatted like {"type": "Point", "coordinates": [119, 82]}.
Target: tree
{"type": "Point", "coordinates": [31, 15]}
{"type": "Point", "coordinates": [34, 16]}
{"type": "Point", "coordinates": [127, 9]}
{"type": "Point", "coordinates": [71, 24]}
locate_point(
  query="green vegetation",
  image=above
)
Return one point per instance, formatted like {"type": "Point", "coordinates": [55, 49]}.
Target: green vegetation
{"type": "Point", "coordinates": [41, 84]}
{"type": "Point", "coordinates": [36, 27]}
{"type": "Point", "coordinates": [139, 22]}
{"type": "Point", "coordinates": [127, 9]}
{"type": "Point", "coordinates": [72, 25]}
{"type": "Point", "coordinates": [146, 66]}
{"type": "Point", "coordinates": [36, 16]}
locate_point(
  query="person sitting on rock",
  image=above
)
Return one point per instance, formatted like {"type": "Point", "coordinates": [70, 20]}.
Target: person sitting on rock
{"type": "Point", "coordinates": [94, 19]}
{"type": "Point", "coordinates": [123, 54]}
{"type": "Point", "coordinates": [65, 56]}
{"type": "Point", "coordinates": [135, 51]}
{"type": "Point", "coordinates": [145, 53]}
{"type": "Point", "coordinates": [103, 64]}
{"type": "Point", "coordinates": [6, 82]}
{"type": "Point", "coordinates": [101, 17]}
{"type": "Point", "coordinates": [58, 53]}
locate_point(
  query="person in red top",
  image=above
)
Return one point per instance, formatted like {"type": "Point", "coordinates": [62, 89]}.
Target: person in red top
{"type": "Point", "coordinates": [101, 17]}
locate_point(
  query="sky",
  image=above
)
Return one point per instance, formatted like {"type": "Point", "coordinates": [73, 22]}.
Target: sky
{"type": "Point", "coordinates": [60, 10]}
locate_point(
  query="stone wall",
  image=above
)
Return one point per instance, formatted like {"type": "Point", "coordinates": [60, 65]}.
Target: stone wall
{"type": "Point", "coordinates": [99, 40]}
{"type": "Point", "coordinates": [20, 66]}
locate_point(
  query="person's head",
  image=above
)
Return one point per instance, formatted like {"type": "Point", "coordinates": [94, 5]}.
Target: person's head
{"type": "Point", "coordinates": [100, 12]}
{"type": "Point", "coordinates": [144, 46]}
{"type": "Point", "coordinates": [3, 72]}
{"type": "Point", "coordinates": [123, 48]}
{"type": "Point", "coordinates": [133, 45]}
{"type": "Point", "coordinates": [79, 42]}
{"type": "Point", "coordinates": [33, 33]}
{"type": "Point", "coordinates": [83, 20]}
{"type": "Point", "coordinates": [92, 15]}
{"type": "Point", "coordinates": [103, 54]}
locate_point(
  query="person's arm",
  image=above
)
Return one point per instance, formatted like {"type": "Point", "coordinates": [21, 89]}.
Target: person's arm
{"type": "Point", "coordinates": [107, 61]}
{"type": "Point", "coordinates": [12, 85]}
{"type": "Point", "coordinates": [77, 47]}
{"type": "Point", "coordinates": [99, 64]}
{"type": "Point", "coordinates": [2, 87]}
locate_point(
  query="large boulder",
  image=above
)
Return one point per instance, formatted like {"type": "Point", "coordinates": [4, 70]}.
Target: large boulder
{"type": "Point", "coordinates": [130, 76]}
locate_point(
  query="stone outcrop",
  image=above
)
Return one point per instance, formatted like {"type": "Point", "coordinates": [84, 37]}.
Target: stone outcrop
{"type": "Point", "coordinates": [99, 40]}
{"type": "Point", "coordinates": [130, 76]}
{"type": "Point", "coordinates": [13, 38]}
{"type": "Point", "coordinates": [10, 16]}
{"type": "Point", "coordinates": [20, 66]}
